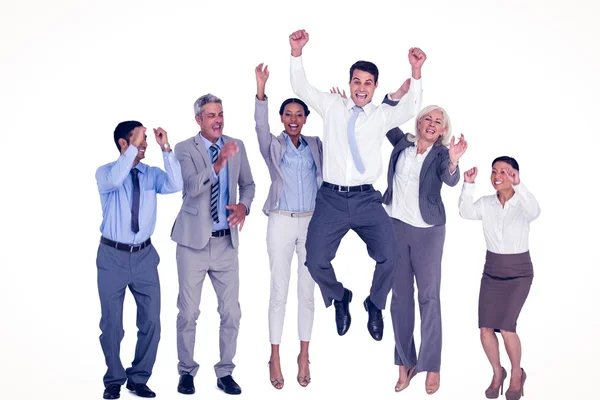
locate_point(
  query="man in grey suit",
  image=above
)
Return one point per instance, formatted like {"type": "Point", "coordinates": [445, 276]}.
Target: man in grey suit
{"type": "Point", "coordinates": [213, 166]}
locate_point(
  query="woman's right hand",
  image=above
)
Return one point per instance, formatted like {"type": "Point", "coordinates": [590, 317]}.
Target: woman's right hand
{"type": "Point", "coordinates": [262, 74]}
{"type": "Point", "coordinates": [470, 175]}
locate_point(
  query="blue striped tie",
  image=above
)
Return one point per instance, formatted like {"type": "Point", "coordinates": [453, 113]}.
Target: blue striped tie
{"type": "Point", "coordinates": [214, 190]}
{"type": "Point", "coordinates": [352, 140]}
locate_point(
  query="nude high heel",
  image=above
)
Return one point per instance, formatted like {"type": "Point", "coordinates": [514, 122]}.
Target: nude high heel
{"type": "Point", "coordinates": [491, 393]}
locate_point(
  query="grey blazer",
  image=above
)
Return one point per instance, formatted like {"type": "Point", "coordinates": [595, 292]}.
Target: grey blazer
{"type": "Point", "coordinates": [273, 148]}
{"type": "Point", "coordinates": [433, 172]}
{"type": "Point", "coordinates": [193, 225]}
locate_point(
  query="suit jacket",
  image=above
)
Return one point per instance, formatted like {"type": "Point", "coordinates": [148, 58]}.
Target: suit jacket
{"type": "Point", "coordinates": [273, 149]}
{"type": "Point", "coordinates": [433, 172]}
{"type": "Point", "coordinates": [193, 225]}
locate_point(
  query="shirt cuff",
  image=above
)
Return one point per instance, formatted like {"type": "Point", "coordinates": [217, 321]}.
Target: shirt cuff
{"type": "Point", "coordinates": [415, 85]}
{"type": "Point", "coordinates": [296, 63]}
{"type": "Point", "coordinates": [468, 188]}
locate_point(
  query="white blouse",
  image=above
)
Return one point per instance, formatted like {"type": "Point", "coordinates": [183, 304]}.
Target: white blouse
{"type": "Point", "coordinates": [405, 201]}
{"type": "Point", "coordinates": [506, 229]}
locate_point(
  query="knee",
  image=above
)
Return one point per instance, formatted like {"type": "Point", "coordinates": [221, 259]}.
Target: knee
{"type": "Point", "coordinates": [231, 314]}
{"type": "Point", "coordinates": [485, 333]}
{"type": "Point", "coordinates": [187, 314]}
{"type": "Point", "coordinates": [507, 334]}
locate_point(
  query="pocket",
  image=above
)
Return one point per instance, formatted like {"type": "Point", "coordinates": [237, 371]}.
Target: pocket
{"type": "Point", "coordinates": [435, 198]}
{"type": "Point", "coordinates": [190, 209]}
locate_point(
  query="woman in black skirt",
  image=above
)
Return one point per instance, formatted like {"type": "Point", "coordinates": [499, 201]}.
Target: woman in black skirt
{"type": "Point", "coordinates": [508, 271]}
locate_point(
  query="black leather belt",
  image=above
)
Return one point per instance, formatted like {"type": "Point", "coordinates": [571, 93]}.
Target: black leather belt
{"type": "Point", "coordinates": [222, 232]}
{"type": "Point", "coordinates": [132, 248]}
{"type": "Point", "coordinates": [338, 188]}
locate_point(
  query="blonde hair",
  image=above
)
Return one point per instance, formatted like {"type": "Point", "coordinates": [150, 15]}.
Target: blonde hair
{"type": "Point", "coordinates": [445, 138]}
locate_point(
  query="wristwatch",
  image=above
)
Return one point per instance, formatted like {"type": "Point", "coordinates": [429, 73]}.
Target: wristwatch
{"type": "Point", "coordinates": [165, 147]}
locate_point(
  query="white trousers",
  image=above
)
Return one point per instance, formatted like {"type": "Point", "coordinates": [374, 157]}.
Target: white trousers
{"type": "Point", "coordinates": [284, 234]}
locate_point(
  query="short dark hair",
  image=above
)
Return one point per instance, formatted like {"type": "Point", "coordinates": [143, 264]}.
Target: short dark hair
{"type": "Point", "coordinates": [297, 101]}
{"type": "Point", "coordinates": [509, 160]}
{"type": "Point", "coordinates": [123, 131]}
{"type": "Point", "coordinates": [366, 66]}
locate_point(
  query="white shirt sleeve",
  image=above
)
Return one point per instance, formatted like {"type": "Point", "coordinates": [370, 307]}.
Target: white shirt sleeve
{"type": "Point", "coordinates": [315, 98]}
{"type": "Point", "coordinates": [529, 204]}
{"type": "Point", "coordinates": [408, 107]}
{"type": "Point", "coordinates": [466, 208]}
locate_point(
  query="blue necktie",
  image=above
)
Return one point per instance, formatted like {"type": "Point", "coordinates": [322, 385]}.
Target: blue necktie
{"type": "Point", "coordinates": [352, 140]}
{"type": "Point", "coordinates": [214, 190]}
{"type": "Point", "coordinates": [135, 206]}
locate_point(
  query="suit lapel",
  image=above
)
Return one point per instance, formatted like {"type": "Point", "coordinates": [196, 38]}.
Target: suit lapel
{"type": "Point", "coordinates": [199, 145]}
{"type": "Point", "coordinates": [435, 149]}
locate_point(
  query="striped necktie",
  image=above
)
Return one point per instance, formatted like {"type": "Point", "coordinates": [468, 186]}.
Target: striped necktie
{"type": "Point", "coordinates": [214, 190]}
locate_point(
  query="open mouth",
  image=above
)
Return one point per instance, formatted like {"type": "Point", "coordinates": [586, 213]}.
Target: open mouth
{"type": "Point", "coordinates": [430, 131]}
{"type": "Point", "coordinates": [361, 96]}
{"type": "Point", "coordinates": [293, 127]}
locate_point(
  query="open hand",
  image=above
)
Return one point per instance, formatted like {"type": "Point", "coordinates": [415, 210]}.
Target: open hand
{"type": "Point", "coordinates": [336, 89]}
{"type": "Point", "coordinates": [456, 151]}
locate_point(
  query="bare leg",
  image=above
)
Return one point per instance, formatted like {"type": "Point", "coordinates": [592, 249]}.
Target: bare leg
{"type": "Point", "coordinates": [275, 368]}
{"type": "Point", "coordinates": [512, 343]}
{"type": "Point", "coordinates": [303, 368]}
{"type": "Point", "coordinates": [492, 351]}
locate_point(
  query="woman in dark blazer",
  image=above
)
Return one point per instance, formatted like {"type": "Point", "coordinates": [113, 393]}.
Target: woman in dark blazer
{"type": "Point", "coordinates": [418, 166]}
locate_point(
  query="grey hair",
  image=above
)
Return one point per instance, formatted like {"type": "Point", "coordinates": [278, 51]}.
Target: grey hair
{"type": "Point", "coordinates": [204, 100]}
{"type": "Point", "coordinates": [444, 139]}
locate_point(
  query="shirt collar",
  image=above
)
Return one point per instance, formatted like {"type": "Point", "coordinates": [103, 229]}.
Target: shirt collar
{"type": "Point", "coordinates": [510, 203]}
{"type": "Point", "coordinates": [288, 140]}
{"type": "Point", "coordinates": [208, 143]}
{"type": "Point", "coordinates": [367, 109]}
{"type": "Point", "coordinates": [143, 168]}
{"type": "Point", "coordinates": [416, 145]}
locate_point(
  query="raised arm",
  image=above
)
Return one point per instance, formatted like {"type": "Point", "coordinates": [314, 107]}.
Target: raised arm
{"type": "Point", "coordinates": [261, 112]}
{"type": "Point", "coordinates": [466, 208]}
{"type": "Point", "coordinates": [170, 180]}
{"type": "Point", "coordinates": [448, 173]}
{"type": "Point", "coordinates": [409, 95]}
{"type": "Point", "coordinates": [111, 178]}
{"type": "Point", "coordinates": [528, 202]}
{"type": "Point", "coordinates": [318, 100]}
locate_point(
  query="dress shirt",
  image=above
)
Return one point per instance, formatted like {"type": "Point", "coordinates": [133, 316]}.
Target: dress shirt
{"type": "Point", "coordinates": [506, 229]}
{"type": "Point", "coordinates": [299, 177]}
{"type": "Point", "coordinates": [223, 186]}
{"type": "Point", "coordinates": [115, 185]}
{"type": "Point", "coordinates": [405, 202]}
{"type": "Point", "coordinates": [371, 126]}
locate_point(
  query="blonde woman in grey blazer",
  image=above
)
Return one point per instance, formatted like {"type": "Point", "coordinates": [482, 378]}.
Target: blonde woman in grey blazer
{"type": "Point", "coordinates": [294, 162]}
{"type": "Point", "coordinates": [418, 167]}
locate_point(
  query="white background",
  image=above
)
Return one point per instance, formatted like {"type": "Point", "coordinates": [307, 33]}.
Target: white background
{"type": "Point", "coordinates": [518, 78]}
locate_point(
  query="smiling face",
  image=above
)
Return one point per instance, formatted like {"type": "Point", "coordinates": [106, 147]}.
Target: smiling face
{"type": "Point", "coordinates": [211, 121]}
{"type": "Point", "coordinates": [141, 148]}
{"type": "Point", "coordinates": [499, 176]}
{"type": "Point", "coordinates": [431, 126]}
{"type": "Point", "coordinates": [293, 119]}
{"type": "Point", "coordinates": [362, 87]}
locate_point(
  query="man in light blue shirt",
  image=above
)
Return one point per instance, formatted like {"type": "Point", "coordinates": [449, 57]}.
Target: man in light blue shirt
{"type": "Point", "coordinates": [126, 257]}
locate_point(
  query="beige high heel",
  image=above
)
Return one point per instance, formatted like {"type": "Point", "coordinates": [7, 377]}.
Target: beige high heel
{"type": "Point", "coordinates": [492, 393]}
{"type": "Point", "coordinates": [516, 394]}
{"type": "Point", "coordinates": [277, 382]}
{"type": "Point", "coordinates": [303, 380]}
{"type": "Point", "coordinates": [409, 375]}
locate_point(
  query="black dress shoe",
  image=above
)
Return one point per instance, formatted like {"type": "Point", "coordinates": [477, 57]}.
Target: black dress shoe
{"type": "Point", "coordinates": [186, 384]}
{"type": "Point", "coordinates": [140, 389]}
{"type": "Point", "coordinates": [342, 313]}
{"type": "Point", "coordinates": [228, 385]}
{"type": "Point", "coordinates": [375, 323]}
{"type": "Point", "coordinates": [112, 391]}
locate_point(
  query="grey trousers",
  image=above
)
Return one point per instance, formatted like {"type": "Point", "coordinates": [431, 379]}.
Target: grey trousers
{"type": "Point", "coordinates": [118, 270]}
{"type": "Point", "coordinates": [421, 258]}
{"type": "Point", "coordinates": [220, 261]}
{"type": "Point", "coordinates": [335, 214]}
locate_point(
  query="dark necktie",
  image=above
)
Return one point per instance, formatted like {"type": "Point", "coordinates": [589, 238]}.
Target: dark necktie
{"type": "Point", "coordinates": [135, 207]}
{"type": "Point", "coordinates": [352, 140]}
{"type": "Point", "coordinates": [214, 190]}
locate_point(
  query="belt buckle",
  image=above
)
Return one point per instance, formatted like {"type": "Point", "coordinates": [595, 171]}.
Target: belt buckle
{"type": "Point", "coordinates": [340, 189]}
{"type": "Point", "coordinates": [293, 215]}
